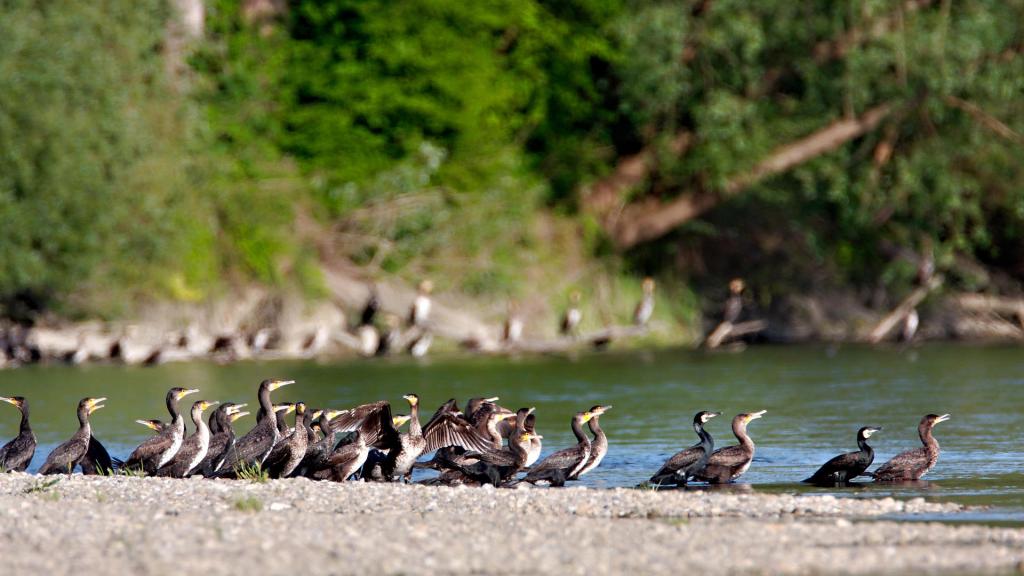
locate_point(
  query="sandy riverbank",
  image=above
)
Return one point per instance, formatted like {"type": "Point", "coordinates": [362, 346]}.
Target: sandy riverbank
{"type": "Point", "coordinates": [158, 526]}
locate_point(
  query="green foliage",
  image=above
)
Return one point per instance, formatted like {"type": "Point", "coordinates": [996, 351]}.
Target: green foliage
{"type": "Point", "coordinates": [248, 504]}
{"type": "Point", "coordinates": [253, 473]}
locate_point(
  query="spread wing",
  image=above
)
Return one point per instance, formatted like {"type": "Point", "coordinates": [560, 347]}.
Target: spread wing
{"type": "Point", "coordinates": [449, 407]}
{"type": "Point", "coordinates": [354, 418]}
{"type": "Point", "coordinates": [452, 430]}
{"type": "Point", "coordinates": [96, 460]}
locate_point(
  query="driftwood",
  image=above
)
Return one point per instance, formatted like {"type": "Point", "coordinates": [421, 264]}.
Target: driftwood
{"type": "Point", "coordinates": [899, 314]}
{"type": "Point", "coordinates": [728, 330]}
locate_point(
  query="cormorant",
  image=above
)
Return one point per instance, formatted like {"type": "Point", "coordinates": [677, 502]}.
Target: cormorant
{"type": "Point", "coordinates": [289, 452]}
{"type": "Point", "coordinates": [913, 464]}
{"type": "Point", "coordinates": [16, 455]}
{"type": "Point", "coordinates": [280, 411]}
{"type": "Point", "coordinates": [65, 457]}
{"type": "Point", "coordinates": [222, 437]}
{"type": "Point", "coordinates": [533, 452]}
{"type": "Point", "coordinates": [645, 308]}
{"type": "Point", "coordinates": [566, 463]}
{"type": "Point", "coordinates": [598, 446]}
{"type": "Point", "coordinates": [419, 312]}
{"type": "Point", "coordinates": [512, 331]}
{"type": "Point", "coordinates": [420, 345]}
{"type": "Point", "coordinates": [318, 451]}
{"type": "Point", "coordinates": [193, 449]}
{"type": "Point", "coordinates": [158, 450]}
{"type": "Point", "coordinates": [253, 448]}
{"type": "Point", "coordinates": [96, 460]}
{"type": "Point", "coordinates": [734, 304]}
{"type": "Point", "coordinates": [491, 467]}
{"type": "Point", "coordinates": [404, 448]}
{"type": "Point", "coordinates": [684, 464]}
{"type": "Point", "coordinates": [846, 467]}
{"type": "Point", "coordinates": [349, 457]}
{"type": "Point", "coordinates": [572, 317]}
{"type": "Point", "coordinates": [729, 463]}
{"type": "Point", "coordinates": [450, 429]}
{"type": "Point", "coordinates": [370, 308]}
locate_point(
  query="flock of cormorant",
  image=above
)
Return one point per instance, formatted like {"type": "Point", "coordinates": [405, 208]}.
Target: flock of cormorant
{"type": "Point", "coordinates": [482, 444]}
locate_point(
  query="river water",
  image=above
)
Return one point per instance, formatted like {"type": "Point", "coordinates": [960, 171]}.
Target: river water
{"type": "Point", "coordinates": [816, 397]}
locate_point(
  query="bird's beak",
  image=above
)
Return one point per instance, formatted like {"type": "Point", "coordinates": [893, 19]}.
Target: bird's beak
{"type": "Point", "coordinates": [506, 416]}
{"type": "Point", "coordinates": [237, 415]}
{"type": "Point", "coordinates": [286, 408]}
{"type": "Point", "coordinates": [332, 414]}
{"type": "Point", "coordinates": [602, 410]}
{"type": "Point", "coordinates": [95, 404]}
{"type": "Point", "coordinates": [184, 393]}
{"type": "Point", "coordinates": [531, 410]}
{"type": "Point", "coordinates": [411, 399]}
{"type": "Point", "coordinates": [756, 415]}
{"type": "Point", "coordinates": [279, 383]}
{"type": "Point", "coordinates": [537, 436]}
{"type": "Point", "coordinates": [208, 404]}
{"type": "Point", "coordinates": [942, 418]}
{"type": "Point", "coordinates": [9, 400]}
{"type": "Point", "coordinates": [713, 414]}
{"type": "Point", "coordinates": [317, 413]}
{"type": "Point", "coordinates": [147, 424]}
{"type": "Point", "coordinates": [492, 399]}
{"type": "Point", "coordinates": [235, 409]}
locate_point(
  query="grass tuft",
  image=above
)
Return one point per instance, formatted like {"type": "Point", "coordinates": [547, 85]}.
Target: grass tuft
{"type": "Point", "coordinates": [249, 504]}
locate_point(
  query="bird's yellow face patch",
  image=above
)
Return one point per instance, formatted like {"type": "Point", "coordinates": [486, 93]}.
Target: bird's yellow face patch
{"type": "Point", "coordinates": [279, 383]}
{"type": "Point", "coordinates": [184, 393]}
{"type": "Point", "coordinates": [95, 404]}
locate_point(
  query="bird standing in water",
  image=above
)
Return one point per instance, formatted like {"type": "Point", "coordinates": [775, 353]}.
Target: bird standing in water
{"type": "Point", "coordinates": [845, 467]}
{"type": "Point", "coordinates": [599, 444]}
{"type": "Point", "coordinates": [913, 464]}
{"type": "Point", "coordinates": [566, 463]}
{"type": "Point", "coordinates": [65, 457]}
{"type": "Point", "coordinates": [731, 462]}
{"type": "Point", "coordinates": [684, 464]}
{"type": "Point", "coordinates": [16, 455]}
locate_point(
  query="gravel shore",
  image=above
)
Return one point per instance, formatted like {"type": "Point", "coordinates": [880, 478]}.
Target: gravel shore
{"type": "Point", "coordinates": [161, 526]}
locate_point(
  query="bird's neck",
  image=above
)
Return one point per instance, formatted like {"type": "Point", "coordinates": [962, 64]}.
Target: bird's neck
{"type": "Point", "coordinates": [706, 442]}
{"type": "Point", "coordinates": [25, 426]}
{"type": "Point", "coordinates": [414, 420]}
{"type": "Point", "coordinates": [266, 408]}
{"type": "Point", "coordinates": [595, 428]}
{"type": "Point", "coordinates": [740, 430]}
{"type": "Point", "coordinates": [577, 429]}
{"type": "Point", "coordinates": [201, 428]}
{"type": "Point", "coordinates": [929, 441]}
{"type": "Point", "coordinates": [862, 443]}
{"type": "Point", "coordinates": [83, 422]}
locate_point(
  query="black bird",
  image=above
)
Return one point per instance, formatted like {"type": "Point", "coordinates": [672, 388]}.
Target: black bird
{"type": "Point", "coordinates": [598, 446]}
{"type": "Point", "coordinates": [404, 448]}
{"type": "Point", "coordinates": [734, 304]}
{"type": "Point", "coordinates": [193, 449]}
{"type": "Point", "coordinates": [480, 432]}
{"type": "Point", "coordinates": [684, 464]}
{"type": "Point", "coordinates": [65, 457]}
{"type": "Point", "coordinates": [571, 318]}
{"type": "Point", "coordinates": [16, 455]}
{"type": "Point", "coordinates": [845, 467]}
{"type": "Point", "coordinates": [533, 452]}
{"type": "Point", "coordinates": [493, 467]}
{"type": "Point", "coordinates": [350, 457]}
{"type": "Point", "coordinates": [289, 452]}
{"type": "Point", "coordinates": [566, 463]}
{"type": "Point", "coordinates": [158, 450]}
{"type": "Point", "coordinates": [913, 464]}
{"type": "Point", "coordinates": [253, 448]}
{"type": "Point", "coordinates": [729, 463]}
{"type": "Point", "coordinates": [222, 437]}
{"type": "Point", "coordinates": [318, 451]}
{"type": "Point", "coordinates": [96, 460]}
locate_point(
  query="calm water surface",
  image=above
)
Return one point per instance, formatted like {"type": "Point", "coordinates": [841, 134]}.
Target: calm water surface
{"type": "Point", "coordinates": [816, 398]}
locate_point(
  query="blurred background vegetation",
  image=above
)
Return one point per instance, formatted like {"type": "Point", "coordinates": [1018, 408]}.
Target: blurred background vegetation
{"type": "Point", "coordinates": [501, 146]}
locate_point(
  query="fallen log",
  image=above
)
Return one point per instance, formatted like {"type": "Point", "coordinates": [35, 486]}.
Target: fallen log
{"type": "Point", "coordinates": [899, 314]}
{"type": "Point", "coordinates": [728, 330]}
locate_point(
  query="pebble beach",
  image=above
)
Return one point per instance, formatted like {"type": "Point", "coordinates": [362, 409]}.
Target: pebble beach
{"type": "Point", "coordinates": [108, 525]}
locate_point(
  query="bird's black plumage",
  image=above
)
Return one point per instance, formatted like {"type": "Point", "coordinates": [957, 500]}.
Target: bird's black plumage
{"type": "Point", "coordinates": [16, 455]}
{"type": "Point", "coordinates": [64, 458]}
{"type": "Point", "coordinates": [845, 467]}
